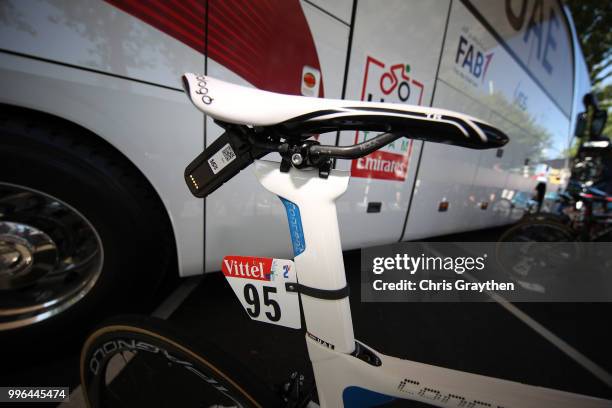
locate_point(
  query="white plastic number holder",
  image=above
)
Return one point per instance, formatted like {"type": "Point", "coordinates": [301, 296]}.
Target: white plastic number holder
{"type": "Point", "coordinates": [260, 284]}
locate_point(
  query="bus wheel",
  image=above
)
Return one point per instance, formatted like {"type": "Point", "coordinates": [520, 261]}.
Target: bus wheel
{"type": "Point", "coordinates": [82, 234]}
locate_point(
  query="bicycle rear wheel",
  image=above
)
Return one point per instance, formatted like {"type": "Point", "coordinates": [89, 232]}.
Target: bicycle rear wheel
{"type": "Point", "coordinates": [539, 230]}
{"type": "Point", "coordinates": [142, 361]}
{"type": "Point", "coordinates": [550, 217]}
{"type": "Point", "coordinates": [538, 255]}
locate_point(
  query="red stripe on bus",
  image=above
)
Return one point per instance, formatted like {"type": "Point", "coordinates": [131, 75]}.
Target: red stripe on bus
{"type": "Point", "coordinates": [267, 42]}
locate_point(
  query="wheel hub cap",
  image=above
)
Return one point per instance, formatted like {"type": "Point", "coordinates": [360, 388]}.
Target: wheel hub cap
{"type": "Point", "coordinates": [26, 255]}
{"type": "Point", "coordinates": [50, 256]}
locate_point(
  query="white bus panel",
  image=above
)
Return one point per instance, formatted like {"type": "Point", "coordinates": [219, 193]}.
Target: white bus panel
{"type": "Point", "coordinates": [113, 68]}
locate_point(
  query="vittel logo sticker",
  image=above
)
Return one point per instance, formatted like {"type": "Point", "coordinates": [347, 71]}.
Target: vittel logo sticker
{"type": "Point", "coordinates": [247, 267]}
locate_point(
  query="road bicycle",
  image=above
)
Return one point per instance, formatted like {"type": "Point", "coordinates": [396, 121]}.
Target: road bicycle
{"type": "Point", "coordinates": [582, 215]}
{"type": "Point", "coordinates": [582, 211]}
{"type": "Point", "coordinates": [584, 205]}
{"type": "Point", "coordinates": [543, 250]}
{"type": "Point", "coordinates": [151, 355]}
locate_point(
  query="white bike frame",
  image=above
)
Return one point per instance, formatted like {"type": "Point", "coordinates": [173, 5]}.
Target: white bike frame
{"type": "Point", "coordinates": [343, 379]}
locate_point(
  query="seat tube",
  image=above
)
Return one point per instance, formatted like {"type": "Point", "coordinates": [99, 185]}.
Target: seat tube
{"type": "Point", "coordinates": [310, 202]}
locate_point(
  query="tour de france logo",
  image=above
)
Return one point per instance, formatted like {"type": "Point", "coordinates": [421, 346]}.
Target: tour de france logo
{"type": "Point", "coordinates": [387, 83]}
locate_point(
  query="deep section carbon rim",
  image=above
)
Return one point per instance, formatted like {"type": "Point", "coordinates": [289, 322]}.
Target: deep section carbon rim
{"type": "Point", "coordinates": [128, 366]}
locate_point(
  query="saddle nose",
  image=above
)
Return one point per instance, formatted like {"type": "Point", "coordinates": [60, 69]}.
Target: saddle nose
{"type": "Point", "coordinates": [197, 88]}
{"type": "Point", "coordinates": [495, 137]}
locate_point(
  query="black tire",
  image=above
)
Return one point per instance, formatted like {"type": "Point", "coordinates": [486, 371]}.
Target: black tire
{"type": "Point", "coordinates": [560, 218]}
{"type": "Point", "coordinates": [69, 163]}
{"type": "Point", "coordinates": [538, 254]}
{"type": "Point", "coordinates": [539, 229]}
{"type": "Point", "coordinates": [603, 236]}
{"type": "Point", "coordinates": [161, 366]}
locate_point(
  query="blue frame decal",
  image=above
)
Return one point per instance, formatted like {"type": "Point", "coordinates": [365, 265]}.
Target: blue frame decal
{"type": "Point", "coordinates": [357, 397]}
{"type": "Point", "coordinates": [295, 226]}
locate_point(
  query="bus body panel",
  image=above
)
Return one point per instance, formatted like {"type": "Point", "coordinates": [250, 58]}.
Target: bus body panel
{"type": "Point", "coordinates": [99, 56]}
{"type": "Point", "coordinates": [114, 69]}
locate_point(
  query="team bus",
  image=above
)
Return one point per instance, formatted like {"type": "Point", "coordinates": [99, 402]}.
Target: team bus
{"type": "Point", "coordinates": [95, 131]}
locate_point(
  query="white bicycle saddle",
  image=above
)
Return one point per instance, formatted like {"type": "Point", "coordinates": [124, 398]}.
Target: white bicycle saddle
{"type": "Point", "coordinates": [299, 115]}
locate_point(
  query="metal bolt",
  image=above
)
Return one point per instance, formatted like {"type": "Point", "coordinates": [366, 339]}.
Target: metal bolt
{"type": "Point", "coordinates": [297, 159]}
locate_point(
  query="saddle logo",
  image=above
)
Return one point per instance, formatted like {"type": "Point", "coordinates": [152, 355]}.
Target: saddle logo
{"type": "Point", "coordinates": [387, 83]}
{"type": "Point", "coordinates": [472, 61]}
{"type": "Point", "coordinates": [203, 90]}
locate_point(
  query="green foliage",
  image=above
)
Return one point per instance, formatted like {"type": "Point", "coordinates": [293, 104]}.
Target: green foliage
{"type": "Point", "coordinates": [604, 96]}
{"type": "Point", "coordinates": [527, 136]}
{"type": "Point", "coordinates": [593, 20]}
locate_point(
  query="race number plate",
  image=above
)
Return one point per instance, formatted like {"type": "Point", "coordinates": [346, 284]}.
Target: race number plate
{"type": "Point", "coordinates": [260, 285]}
